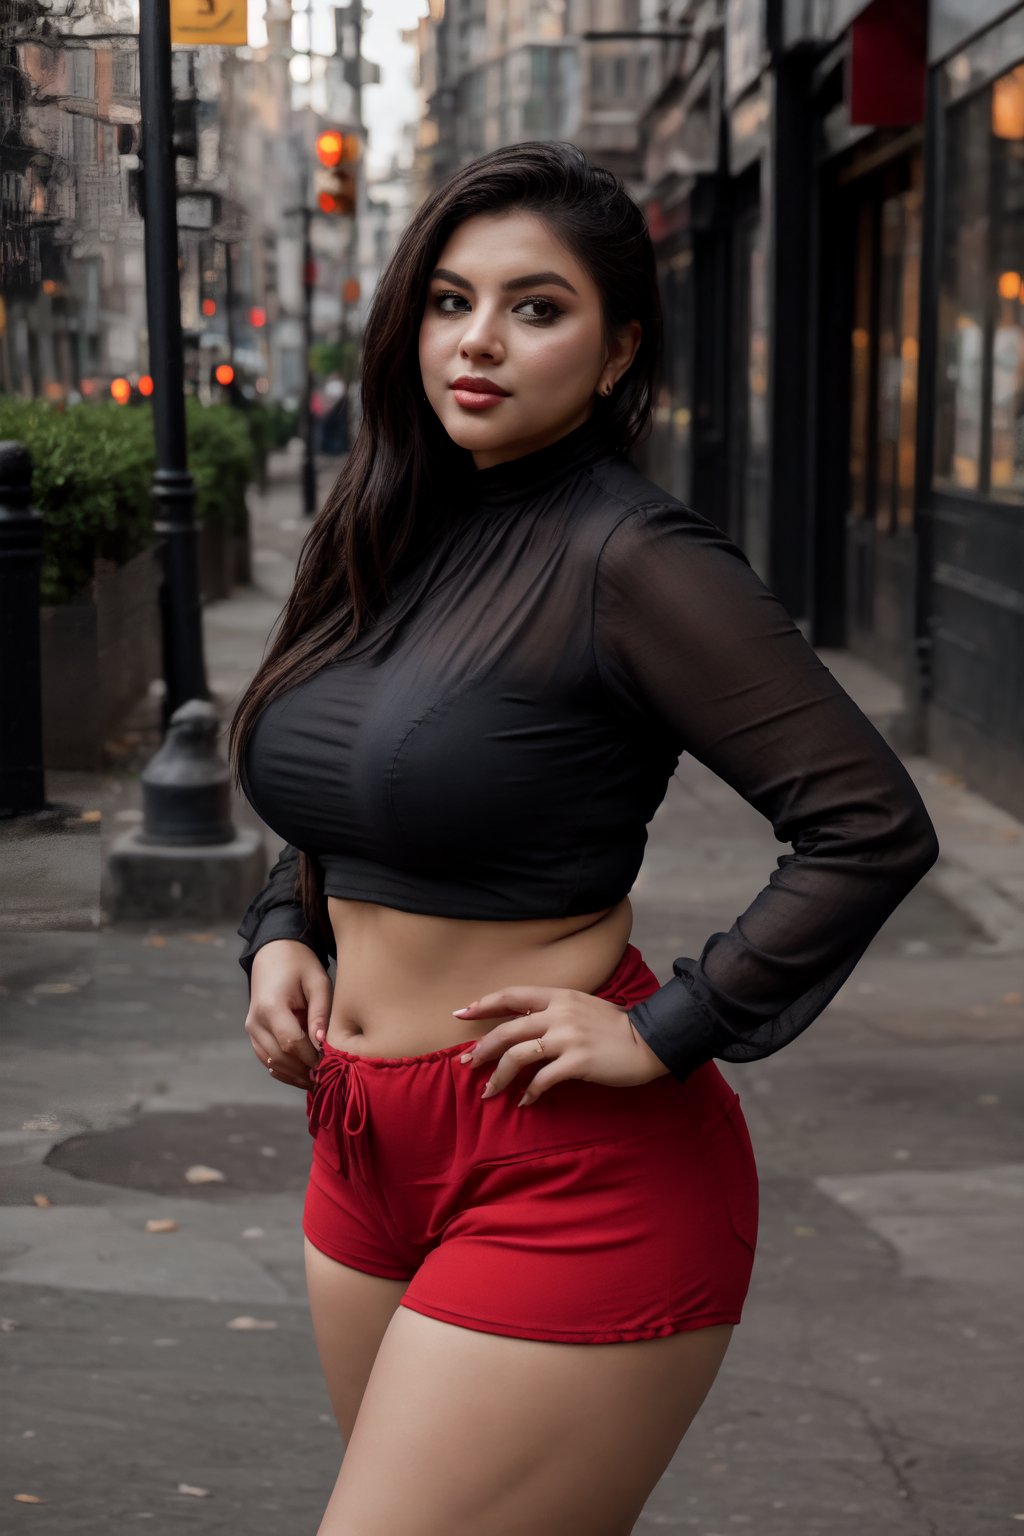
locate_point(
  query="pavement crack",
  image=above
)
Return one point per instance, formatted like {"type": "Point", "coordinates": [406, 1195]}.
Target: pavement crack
{"type": "Point", "coordinates": [881, 1436]}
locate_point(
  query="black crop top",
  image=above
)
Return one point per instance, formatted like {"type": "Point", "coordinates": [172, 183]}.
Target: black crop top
{"type": "Point", "coordinates": [495, 745]}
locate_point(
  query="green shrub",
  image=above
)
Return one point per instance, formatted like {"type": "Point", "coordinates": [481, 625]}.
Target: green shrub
{"type": "Point", "coordinates": [221, 458]}
{"type": "Point", "coordinates": [92, 468]}
{"type": "Point", "coordinates": [92, 476]}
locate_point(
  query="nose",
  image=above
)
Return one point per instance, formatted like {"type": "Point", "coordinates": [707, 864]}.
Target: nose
{"type": "Point", "coordinates": [337, 1083]}
{"type": "Point", "coordinates": [480, 338]}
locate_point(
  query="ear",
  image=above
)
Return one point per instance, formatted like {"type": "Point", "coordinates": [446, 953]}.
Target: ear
{"type": "Point", "coordinates": [623, 347]}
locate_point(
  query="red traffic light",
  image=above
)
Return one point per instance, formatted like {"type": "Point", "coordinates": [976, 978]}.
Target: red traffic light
{"type": "Point", "coordinates": [330, 147]}
{"type": "Point", "coordinates": [336, 148]}
{"type": "Point", "coordinates": [224, 374]}
{"type": "Point", "coordinates": [336, 192]}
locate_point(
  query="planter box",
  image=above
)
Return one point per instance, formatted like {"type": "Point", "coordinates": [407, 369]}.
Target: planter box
{"type": "Point", "coordinates": [216, 562]}
{"type": "Point", "coordinates": [241, 554]}
{"type": "Point", "coordinates": [99, 655]}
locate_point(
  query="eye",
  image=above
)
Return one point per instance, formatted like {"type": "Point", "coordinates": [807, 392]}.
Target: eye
{"type": "Point", "coordinates": [553, 310]}
{"type": "Point", "coordinates": [439, 299]}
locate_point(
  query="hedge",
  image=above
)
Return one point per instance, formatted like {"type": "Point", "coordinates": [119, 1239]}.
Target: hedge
{"type": "Point", "coordinates": [92, 474]}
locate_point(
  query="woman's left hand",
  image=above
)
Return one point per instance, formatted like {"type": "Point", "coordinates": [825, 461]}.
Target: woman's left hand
{"type": "Point", "coordinates": [583, 1036]}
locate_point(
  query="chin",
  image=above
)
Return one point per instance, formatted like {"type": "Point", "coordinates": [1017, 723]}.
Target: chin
{"type": "Point", "coordinates": [480, 433]}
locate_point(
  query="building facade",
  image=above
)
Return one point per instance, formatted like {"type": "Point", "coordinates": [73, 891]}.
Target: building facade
{"type": "Point", "coordinates": [495, 72]}
{"type": "Point", "coordinates": [836, 194]}
{"type": "Point", "coordinates": [72, 277]}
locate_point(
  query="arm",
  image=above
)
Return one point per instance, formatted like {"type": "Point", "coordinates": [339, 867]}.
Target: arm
{"type": "Point", "coordinates": [690, 641]}
{"type": "Point", "coordinates": [276, 913]}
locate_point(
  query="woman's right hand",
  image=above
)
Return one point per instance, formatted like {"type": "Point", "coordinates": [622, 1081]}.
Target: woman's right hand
{"type": "Point", "coordinates": [290, 1000]}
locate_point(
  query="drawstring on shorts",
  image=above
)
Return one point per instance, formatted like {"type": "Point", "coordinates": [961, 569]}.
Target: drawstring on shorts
{"type": "Point", "coordinates": [335, 1078]}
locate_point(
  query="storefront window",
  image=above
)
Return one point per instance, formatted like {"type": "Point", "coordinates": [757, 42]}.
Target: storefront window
{"type": "Point", "coordinates": [979, 442]}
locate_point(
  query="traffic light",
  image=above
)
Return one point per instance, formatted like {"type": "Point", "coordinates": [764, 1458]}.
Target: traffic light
{"type": "Point", "coordinates": [336, 181]}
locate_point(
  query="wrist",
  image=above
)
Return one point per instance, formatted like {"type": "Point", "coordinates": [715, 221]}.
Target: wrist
{"type": "Point", "coordinates": [654, 1061]}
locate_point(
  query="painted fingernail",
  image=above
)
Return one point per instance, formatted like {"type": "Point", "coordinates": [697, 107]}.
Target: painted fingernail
{"type": "Point", "coordinates": [466, 1056]}
{"type": "Point", "coordinates": [458, 1012]}
{"type": "Point", "coordinates": [487, 1091]}
{"type": "Point", "coordinates": [524, 1100]}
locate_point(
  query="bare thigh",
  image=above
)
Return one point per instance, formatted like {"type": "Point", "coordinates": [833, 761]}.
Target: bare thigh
{"type": "Point", "coordinates": [465, 1433]}
{"type": "Point", "coordinates": [350, 1311]}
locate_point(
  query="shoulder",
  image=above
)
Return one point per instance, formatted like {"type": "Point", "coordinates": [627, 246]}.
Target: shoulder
{"type": "Point", "coordinates": [635, 515]}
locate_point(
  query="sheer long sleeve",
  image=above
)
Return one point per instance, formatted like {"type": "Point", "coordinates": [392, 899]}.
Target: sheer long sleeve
{"type": "Point", "coordinates": [692, 645]}
{"type": "Point", "coordinates": [276, 913]}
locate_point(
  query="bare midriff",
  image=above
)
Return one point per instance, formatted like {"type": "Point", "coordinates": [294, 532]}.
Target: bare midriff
{"type": "Point", "coordinates": [401, 974]}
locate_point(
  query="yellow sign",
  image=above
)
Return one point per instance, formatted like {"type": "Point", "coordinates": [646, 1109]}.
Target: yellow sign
{"type": "Point", "coordinates": [224, 22]}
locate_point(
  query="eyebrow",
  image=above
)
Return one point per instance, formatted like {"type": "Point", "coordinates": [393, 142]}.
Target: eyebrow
{"type": "Point", "coordinates": [531, 280]}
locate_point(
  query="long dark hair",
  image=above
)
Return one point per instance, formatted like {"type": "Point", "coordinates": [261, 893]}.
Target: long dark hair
{"type": "Point", "coordinates": [403, 464]}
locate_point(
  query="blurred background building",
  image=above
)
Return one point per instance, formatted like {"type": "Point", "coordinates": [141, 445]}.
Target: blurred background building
{"type": "Point", "coordinates": [835, 189]}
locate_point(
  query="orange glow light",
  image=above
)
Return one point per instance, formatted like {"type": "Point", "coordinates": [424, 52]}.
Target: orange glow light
{"type": "Point", "coordinates": [350, 290]}
{"type": "Point", "coordinates": [121, 391]}
{"type": "Point", "coordinates": [330, 147]}
{"type": "Point", "coordinates": [209, 307]}
{"type": "Point", "coordinates": [146, 385]}
{"type": "Point", "coordinates": [224, 374]}
{"type": "Point", "coordinates": [1009, 285]}
{"type": "Point", "coordinates": [1008, 105]}
{"type": "Point", "coordinates": [257, 317]}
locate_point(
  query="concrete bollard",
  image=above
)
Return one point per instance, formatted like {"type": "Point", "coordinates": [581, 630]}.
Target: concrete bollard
{"type": "Point", "coordinates": [187, 860]}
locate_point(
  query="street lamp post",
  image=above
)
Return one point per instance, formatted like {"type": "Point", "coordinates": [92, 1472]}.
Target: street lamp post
{"type": "Point", "coordinates": [173, 488]}
{"type": "Point", "coordinates": [308, 423]}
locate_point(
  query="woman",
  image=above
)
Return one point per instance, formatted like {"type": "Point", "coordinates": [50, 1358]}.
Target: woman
{"type": "Point", "coordinates": [500, 640]}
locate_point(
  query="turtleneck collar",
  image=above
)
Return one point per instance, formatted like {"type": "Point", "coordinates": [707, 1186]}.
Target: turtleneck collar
{"type": "Point", "coordinates": [502, 485]}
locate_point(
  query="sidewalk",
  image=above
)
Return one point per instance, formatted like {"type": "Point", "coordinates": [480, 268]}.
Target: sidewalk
{"type": "Point", "coordinates": [170, 1376]}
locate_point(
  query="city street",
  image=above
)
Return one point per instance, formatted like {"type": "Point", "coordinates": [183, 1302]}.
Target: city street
{"type": "Point", "coordinates": [168, 1374]}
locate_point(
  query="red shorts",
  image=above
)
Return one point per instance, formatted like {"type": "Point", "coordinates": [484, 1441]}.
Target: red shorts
{"type": "Point", "coordinates": [591, 1216]}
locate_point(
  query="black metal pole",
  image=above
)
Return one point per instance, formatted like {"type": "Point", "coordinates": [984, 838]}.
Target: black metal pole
{"type": "Point", "coordinates": [22, 786]}
{"type": "Point", "coordinates": [173, 488]}
{"type": "Point", "coordinates": [308, 452]}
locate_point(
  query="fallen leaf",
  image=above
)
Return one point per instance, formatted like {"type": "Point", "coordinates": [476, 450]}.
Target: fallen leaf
{"type": "Point", "coordinates": [193, 1493]}
{"type": "Point", "coordinates": [8, 1325]}
{"type": "Point", "coordinates": [27, 1498]}
{"type": "Point", "coordinates": [988, 1098]}
{"type": "Point", "coordinates": [201, 938]}
{"type": "Point", "coordinates": [804, 1231]}
{"type": "Point", "coordinates": [952, 779]}
{"type": "Point", "coordinates": [155, 941]}
{"type": "Point", "coordinates": [91, 816]}
{"type": "Point", "coordinates": [1012, 998]}
{"type": "Point", "coordinates": [43, 1201]}
{"type": "Point", "coordinates": [55, 988]}
{"type": "Point", "coordinates": [200, 1174]}
{"type": "Point", "coordinates": [249, 1324]}
{"type": "Point", "coordinates": [253, 1232]}
{"type": "Point", "coordinates": [162, 1224]}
